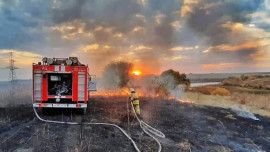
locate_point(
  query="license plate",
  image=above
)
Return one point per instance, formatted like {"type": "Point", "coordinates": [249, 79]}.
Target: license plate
{"type": "Point", "coordinates": [60, 105]}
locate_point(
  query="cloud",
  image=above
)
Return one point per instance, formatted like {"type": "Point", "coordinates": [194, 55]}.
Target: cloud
{"type": "Point", "coordinates": [91, 47]}
{"type": "Point", "coordinates": [21, 22]}
{"type": "Point", "coordinates": [159, 18]}
{"type": "Point", "coordinates": [176, 25]}
{"type": "Point", "coordinates": [262, 55]}
{"type": "Point", "coordinates": [152, 34]}
{"type": "Point", "coordinates": [70, 30]}
{"type": "Point", "coordinates": [23, 61]}
{"type": "Point", "coordinates": [187, 7]}
{"type": "Point", "coordinates": [207, 22]}
{"type": "Point", "coordinates": [22, 58]}
{"type": "Point", "coordinates": [176, 58]}
{"type": "Point", "coordinates": [234, 48]}
{"type": "Point", "coordinates": [142, 47]}
{"type": "Point", "coordinates": [146, 25]}
{"type": "Point", "coordinates": [180, 48]}
{"type": "Point", "coordinates": [96, 13]}
{"type": "Point", "coordinates": [221, 65]}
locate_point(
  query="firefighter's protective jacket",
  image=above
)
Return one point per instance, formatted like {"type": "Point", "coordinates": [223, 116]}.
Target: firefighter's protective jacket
{"type": "Point", "coordinates": [135, 98]}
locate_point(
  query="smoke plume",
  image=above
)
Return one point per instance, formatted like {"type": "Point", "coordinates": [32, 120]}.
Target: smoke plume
{"type": "Point", "coordinates": [116, 75]}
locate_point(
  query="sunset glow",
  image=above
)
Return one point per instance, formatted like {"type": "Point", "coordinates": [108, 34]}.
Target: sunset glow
{"type": "Point", "coordinates": [137, 73]}
{"type": "Point", "coordinates": [202, 36]}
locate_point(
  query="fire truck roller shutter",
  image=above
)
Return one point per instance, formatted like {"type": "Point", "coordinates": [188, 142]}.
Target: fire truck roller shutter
{"type": "Point", "coordinates": [37, 85]}
{"type": "Point", "coordinates": [81, 86]}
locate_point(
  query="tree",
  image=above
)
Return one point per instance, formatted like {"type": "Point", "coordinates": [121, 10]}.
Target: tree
{"type": "Point", "coordinates": [174, 78]}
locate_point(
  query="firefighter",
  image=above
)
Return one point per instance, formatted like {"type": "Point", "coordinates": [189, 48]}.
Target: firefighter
{"type": "Point", "coordinates": [135, 101]}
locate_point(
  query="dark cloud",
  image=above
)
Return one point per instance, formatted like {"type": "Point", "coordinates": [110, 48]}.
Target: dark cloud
{"type": "Point", "coordinates": [166, 7]}
{"type": "Point", "coordinates": [108, 13]}
{"type": "Point", "coordinates": [20, 17]}
{"type": "Point", "coordinates": [208, 21]}
{"type": "Point", "coordinates": [163, 34]}
{"type": "Point", "coordinates": [65, 11]}
{"type": "Point", "coordinates": [106, 18]}
{"type": "Point", "coordinates": [228, 57]}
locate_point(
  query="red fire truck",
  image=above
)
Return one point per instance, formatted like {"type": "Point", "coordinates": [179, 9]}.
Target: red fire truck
{"type": "Point", "coordinates": [61, 83]}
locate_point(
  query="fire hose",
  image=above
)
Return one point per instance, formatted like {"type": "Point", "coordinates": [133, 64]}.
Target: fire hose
{"type": "Point", "coordinates": [150, 131]}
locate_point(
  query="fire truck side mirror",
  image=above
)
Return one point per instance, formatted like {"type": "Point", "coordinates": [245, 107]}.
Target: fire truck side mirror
{"type": "Point", "coordinates": [90, 78]}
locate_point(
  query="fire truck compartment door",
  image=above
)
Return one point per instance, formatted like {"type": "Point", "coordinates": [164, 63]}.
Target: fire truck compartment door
{"type": "Point", "coordinates": [81, 86]}
{"type": "Point", "coordinates": [37, 86]}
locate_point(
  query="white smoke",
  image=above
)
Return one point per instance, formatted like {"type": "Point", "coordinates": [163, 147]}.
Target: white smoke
{"type": "Point", "coordinates": [116, 75]}
{"type": "Point", "coordinates": [243, 111]}
{"type": "Point", "coordinates": [164, 87]}
{"type": "Point", "coordinates": [178, 93]}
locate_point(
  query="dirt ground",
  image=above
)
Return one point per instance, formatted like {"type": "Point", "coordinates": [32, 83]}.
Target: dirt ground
{"type": "Point", "coordinates": [187, 127]}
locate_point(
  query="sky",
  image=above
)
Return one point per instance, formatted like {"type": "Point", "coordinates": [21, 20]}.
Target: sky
{"type": "Point", "coordinates": [190, 36]}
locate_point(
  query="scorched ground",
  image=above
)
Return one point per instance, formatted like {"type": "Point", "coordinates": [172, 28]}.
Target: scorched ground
{"type": "Point", "coordinates": [187, 127]}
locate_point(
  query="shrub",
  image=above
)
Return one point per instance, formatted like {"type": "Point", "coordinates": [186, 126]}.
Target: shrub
{"type": "Point", "coordinates": [205, 89]}
{"type": "Point", "coordinates": [221, 92]}
{"type": "Point", "coordinates": [178, 78]}
{"type": "Point", "coordinates": [252, 77]}
{"type": "Point", "coordinates": [244, 77]}
{"type": "Point", "coordinates": [233, 82]}
{"type": "Point", "coordinates": [259, 85]}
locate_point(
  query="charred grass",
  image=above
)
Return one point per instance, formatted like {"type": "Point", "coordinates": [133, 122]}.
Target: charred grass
{"type": "Point", "coordinates": [187, 127]}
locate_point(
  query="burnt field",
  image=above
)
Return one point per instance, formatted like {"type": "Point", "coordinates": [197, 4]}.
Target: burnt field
{"type": "Point", "coordinates": [187, 127]}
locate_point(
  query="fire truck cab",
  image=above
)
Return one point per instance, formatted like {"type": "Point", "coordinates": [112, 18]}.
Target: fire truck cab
{"type": "Point", "coordinates": [62, 83]}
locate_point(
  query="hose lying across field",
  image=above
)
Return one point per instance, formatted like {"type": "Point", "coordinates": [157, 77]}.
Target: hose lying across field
{"type": "Point", "coordinates": [150, 131]}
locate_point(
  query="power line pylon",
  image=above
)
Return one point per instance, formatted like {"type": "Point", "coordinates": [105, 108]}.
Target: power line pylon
{"type": "Point", "coordinates": [12, 68]}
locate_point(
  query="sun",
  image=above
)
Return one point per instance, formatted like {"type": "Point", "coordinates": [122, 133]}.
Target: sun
{"type": "Point", "coordinates": [137, 73]}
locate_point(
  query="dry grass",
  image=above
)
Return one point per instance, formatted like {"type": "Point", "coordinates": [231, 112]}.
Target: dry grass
{"type": "Point", "coordinates": [260, 101]}
{"type": "Point", "coordinates": [15, 95]}
{"type": "Point", "coordinates": [221, 92]}
{"type": "Point", "coordinates": [257, 104]}
{"type": "Point", "coordinates": [246, 90]}
{"type": "Point", "coordinates": [210, 100]}
{"type": "Point", "coordinates": [205, 89]}
{"type": "Point", "coordinates": [248, 82]}
{"type": "Point", "coordinates": [211, 90]}
{"type": "Point", "coordinates": [233, 82]}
